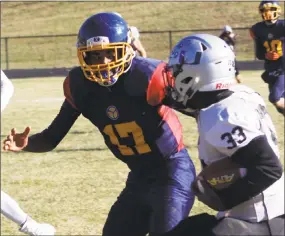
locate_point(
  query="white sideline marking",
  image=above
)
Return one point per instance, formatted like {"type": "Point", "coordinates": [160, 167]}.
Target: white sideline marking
{"type": "Point", "coordinates": [46, 100]}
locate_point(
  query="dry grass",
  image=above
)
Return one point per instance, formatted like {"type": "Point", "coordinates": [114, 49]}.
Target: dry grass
{"type": "Point", "coordinates": [52, 18]}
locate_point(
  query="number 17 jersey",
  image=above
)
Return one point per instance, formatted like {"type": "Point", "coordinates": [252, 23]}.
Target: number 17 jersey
{"type": "Point", "coordinates": [141, 135]}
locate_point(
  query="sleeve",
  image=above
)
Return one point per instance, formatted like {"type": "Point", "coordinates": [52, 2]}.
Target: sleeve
{"type": "Point", "coordinates": [156, 91]}
{"type": "Point", "coordinates": [240, 138]}
{"type": "Point", "coordinates": [49, 138]}
{"type": "Point", "coordinates": [7, 90]}
{"type": "Point", "coordinates": [258, 47]}
{"type": "Point", "coordinates": [67, 92]}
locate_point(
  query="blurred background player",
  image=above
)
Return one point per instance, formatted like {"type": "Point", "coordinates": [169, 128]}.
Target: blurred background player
{"type": "Point", "coordinates": [109, 89]}
{"type": "Point", "coordinates": [230, 38]}
{"type": "Point", "coordinates": [136, 43]}
{"type": "Point", "coordinates": [242, 176]}
{"type": "Point", "coordinates": [9, 207]}
{"type": "Point", "coordinates": [269, 36]}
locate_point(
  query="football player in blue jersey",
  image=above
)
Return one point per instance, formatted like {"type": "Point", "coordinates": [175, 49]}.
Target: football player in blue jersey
{"type": "Point", "coordinates": [269, 38]}
{"type": "Point", "coordinates": [109, 89]}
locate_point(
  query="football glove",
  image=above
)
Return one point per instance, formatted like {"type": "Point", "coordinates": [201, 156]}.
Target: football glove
{"type": "Point", "coordinates": [272, 56]}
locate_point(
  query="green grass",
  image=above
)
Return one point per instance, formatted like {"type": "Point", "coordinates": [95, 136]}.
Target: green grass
{"type": "Point", "coordinates": [51, 18]}
{"type": "Point", "coordinates": [74, 186]}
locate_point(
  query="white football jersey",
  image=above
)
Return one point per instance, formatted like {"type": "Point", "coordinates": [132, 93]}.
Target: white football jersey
{"type": "Point", "coordinates": [7, 90]}
{"type": "Point", "coordinates": [230, 124]}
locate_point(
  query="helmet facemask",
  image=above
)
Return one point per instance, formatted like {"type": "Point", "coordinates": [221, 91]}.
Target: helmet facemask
{"type": "Point", "coordinates": [106, 74]}
{"type": "Point", "coordinates": [270, 12]}
{"type": "Point", "coordinates": [184, 86]}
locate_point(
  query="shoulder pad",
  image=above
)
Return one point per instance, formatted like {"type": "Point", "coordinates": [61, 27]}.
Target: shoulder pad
{"type": "Point", "coordinates": [255, 29]}
{"type": "Point", "coordinates": [76, 86]}
{"type": "Point", "coordinates": [137, 80]}
{"type": "Point", "coordinates": [76, 73]}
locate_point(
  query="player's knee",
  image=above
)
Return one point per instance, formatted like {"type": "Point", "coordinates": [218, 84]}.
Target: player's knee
{"type": "Point", "coordinates": [280, 105]}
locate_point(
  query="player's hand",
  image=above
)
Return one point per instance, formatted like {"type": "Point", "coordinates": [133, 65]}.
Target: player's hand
{"type": "Point", "coordinates": [15, 142]}
{"type": "Point", "coordinates": [272, 56]}
{"type": "Point", "coordinates": [232, 35]}
{"type": "Point", "coordinates": [238, 79]}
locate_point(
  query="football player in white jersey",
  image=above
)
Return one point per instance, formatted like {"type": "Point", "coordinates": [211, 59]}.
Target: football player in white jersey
{"type": "Point", "coordinates": [135, 40]}
{"type": "Point", "coordinates": [242, 177]}
{"type": "Point", "coordinates": [9, 207]}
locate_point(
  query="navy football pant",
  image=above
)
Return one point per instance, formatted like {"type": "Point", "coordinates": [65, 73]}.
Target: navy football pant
{"type": "Point", "coordinates": [275, 80]}
{"type": "Point", "coordinates": [154, 204]}
{"type": "Point", "coordinates": [207, 225]}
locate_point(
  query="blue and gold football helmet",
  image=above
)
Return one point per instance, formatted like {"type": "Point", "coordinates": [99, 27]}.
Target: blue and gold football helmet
{"type": "Point", "coordinates": [103, 48]}
{"type": "Point", "coordinates": [270, 11]}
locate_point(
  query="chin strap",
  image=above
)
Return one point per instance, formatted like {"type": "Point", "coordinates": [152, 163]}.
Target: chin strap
{"type": "Point", "coordinates": [270, 22]}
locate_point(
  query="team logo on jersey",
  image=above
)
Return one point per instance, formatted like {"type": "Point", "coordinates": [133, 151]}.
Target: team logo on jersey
{"type": "Point", "coordinates": [112, 112]}
{"type": "Point", "coordinates": [270, 36]}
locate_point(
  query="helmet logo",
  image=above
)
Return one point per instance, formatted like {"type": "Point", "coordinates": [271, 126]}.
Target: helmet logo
{"type": "Point", "coordinates": [224, 85]}
{"type": "Point", "coordinates": [112, 112]}
{"type": "Point", "coordinates": [97, 41]}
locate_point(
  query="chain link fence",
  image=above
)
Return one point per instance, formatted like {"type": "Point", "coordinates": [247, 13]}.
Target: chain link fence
{"type": "Point", "coordinates": [57, 51]}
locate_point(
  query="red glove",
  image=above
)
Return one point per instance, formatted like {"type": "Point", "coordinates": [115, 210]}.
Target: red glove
{"type": "Point", "coordinates": [272, 56]}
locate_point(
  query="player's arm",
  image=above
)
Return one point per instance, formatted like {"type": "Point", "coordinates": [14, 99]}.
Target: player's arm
{"type": "Point", "coordinates": [263, 169]}
{"type": "Point", "coordinates": [246, 148]}
{"type": "Point", "coordinates": [259, 49]}
{"type": "Point", "coordinates": [156, 90]}
{"type": "Point", "coordinates": [7, 90]}
{"type": "Point", "coordinates": [49, 138]}
{"type": "Point", "coordinates": [139, 47]}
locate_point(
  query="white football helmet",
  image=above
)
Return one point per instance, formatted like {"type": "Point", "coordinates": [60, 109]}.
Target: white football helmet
{"type": "Point", "coordinates": [227, 28]}
{"type": "Point", "coordinates": [200, 62]}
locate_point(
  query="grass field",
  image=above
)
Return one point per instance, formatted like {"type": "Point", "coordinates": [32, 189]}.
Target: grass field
{"type": "Point", "coordinates": [74, 186]}
{"type": "Point", "coordinates": [53, 18]}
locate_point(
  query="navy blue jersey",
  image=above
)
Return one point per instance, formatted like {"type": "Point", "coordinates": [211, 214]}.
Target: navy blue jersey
{"type": "Point", "coordinates": [137, 133]}
{"type": "Point", "coordinates": [269, 38]}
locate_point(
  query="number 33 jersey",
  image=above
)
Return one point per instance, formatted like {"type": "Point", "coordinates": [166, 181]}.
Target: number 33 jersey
{"type": "Point", "coordinates": [231, 124]}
